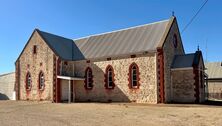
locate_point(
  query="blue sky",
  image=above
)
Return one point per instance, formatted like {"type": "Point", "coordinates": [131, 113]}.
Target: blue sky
{"type": "Point", "coordinates": [79, 18]}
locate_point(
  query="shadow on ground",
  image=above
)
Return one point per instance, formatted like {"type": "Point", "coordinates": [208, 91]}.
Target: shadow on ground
{"type": "Point", "coordinates": [213, 102]}
{"type": "Point", "coordinates": [3, 97]}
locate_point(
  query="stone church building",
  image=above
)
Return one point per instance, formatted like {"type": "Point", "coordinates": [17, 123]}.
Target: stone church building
{"type": "Point", "coordinates": [143, 64]}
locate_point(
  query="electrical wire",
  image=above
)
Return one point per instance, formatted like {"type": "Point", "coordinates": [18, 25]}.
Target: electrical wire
{"type": "Point", "coordinates": [192, 19]}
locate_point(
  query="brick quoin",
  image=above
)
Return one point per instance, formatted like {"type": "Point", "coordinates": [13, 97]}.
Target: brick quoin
{"type": "Point", "coordinates": [58, 82]}
{"type": "Point", "coordinates": [160, 69]}
{"type": "Point", "coordinates": [196, 84]}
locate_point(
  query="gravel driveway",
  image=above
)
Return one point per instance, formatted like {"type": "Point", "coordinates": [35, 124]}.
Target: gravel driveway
{"type": "Point", "coordinates": [21, 113]}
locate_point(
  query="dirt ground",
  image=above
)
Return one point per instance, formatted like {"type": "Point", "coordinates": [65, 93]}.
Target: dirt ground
{"type": "Point", "coordinates": [21, 113]}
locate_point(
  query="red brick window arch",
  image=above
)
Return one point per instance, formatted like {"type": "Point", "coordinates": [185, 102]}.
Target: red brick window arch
{"type": "Point", "coordinates": [28, 84]}
{"type": "Point", "coordinates": [134, 76]}
{"type": "Point", "coordinates": [109, 77]}
{"type": "Point", "coordinates": [41, 81]}
{"type": "Point", "coordinates": [88, 78]}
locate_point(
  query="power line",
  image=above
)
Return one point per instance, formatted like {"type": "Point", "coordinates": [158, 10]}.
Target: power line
{"type": "Point", "coordinates": [205, 2]}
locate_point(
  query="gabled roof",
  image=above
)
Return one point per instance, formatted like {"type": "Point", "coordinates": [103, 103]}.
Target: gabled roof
{"type": "Point", "coordinates": [186, 60]}
{"type": "Point", "coordinates": [183, 61]}
{"type": "Point", "coordinates": [214, 69]}
{"type": "Point", "coordinates": [65, 48]}
{"type": "Point", "coordinates": [145, 38]}
{"type": "Point", "coordinates": [134, 40]}
{"type": "Point", "coordinates": [60, 45]}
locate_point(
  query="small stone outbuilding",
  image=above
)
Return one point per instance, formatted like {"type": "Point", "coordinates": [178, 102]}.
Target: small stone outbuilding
{"type": "Point", "coordinates": [127, 65]}
{"type": "Point", "coordinates": [7, 86]}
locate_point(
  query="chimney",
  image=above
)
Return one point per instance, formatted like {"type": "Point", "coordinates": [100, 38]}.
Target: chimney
{"type": "Point", "coordinates": [221, 64]}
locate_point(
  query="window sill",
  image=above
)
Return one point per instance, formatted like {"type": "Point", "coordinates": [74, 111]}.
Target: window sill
{"type": "Point", "coordinates": [89, 88]}
{"type": "Point", "coordinates": [28, 90]}
{"type": "Point", "coordinates": [109, 88]}
{"type": "Point", "coordinates": [134, 88]}
{"type": "Point", "coordinates": [42, 89]}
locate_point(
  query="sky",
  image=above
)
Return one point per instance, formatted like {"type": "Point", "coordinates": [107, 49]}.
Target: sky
{"type": "Point", "coordinates": [79, 18]}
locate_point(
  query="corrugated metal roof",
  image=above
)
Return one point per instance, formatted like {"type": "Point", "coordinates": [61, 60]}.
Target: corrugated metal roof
{"type": "Point", "coordinates": [183, 61]}
{"type": "Point", "coordinates": [127, 41]}
{"type": "Point", "coordinates": [63, 47]}
{"type": "Point", "coordinates": [214, 69]}
{"type": "Point", "coordinates": [187, 60]}
{"type": "Point", "coordinates": [132, 40]}
{"type": "Point", "coordinates": [60, 45]}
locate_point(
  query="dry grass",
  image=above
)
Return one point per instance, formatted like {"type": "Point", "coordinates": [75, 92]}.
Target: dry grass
{"type": "Point", "coordinates": [23, 113]}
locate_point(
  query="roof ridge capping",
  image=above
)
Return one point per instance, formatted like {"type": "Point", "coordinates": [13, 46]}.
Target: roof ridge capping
{"type": "Point", "coordinates": [167, 30]}
{"type": "Point", "coordinates": [40, 31]}
{"type": "Point", "coordinates": [123, 29]}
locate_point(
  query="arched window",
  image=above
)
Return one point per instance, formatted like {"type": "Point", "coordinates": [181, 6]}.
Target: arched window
{"type": "Point", "coordinates": [109, 78]}
{"type": "Point", "coordinates": [41, 81]}
{"type": "Point", "coordinates": [28, 81]}
{"type": "Point", "coordinates": [175, 42]}
{"type": "Point", "coordinates": [88, 78]}
{"type": "Point", "coordinates": [134, 76]}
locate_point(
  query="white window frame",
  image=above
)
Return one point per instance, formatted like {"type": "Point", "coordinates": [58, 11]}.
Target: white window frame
{"type": "Point", "coordinates": [29, 82]}
{"type": "Point", "coordinates": [132, 70]}
{"type": "Point", "coordinates": [41, 81]}
{"type": "Point", "coordinates": [108, 76]}
{"type": "Point", "coordinates": [87, 78]}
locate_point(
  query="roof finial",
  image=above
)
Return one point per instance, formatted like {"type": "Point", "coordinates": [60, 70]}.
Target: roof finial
{"type": "Point", "coordinates": [173, 13]}
{"type": "Point", "coordinates": [198, 48]}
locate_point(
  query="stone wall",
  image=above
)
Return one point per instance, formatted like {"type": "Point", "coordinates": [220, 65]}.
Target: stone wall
{"type": "Point", "coordinates": [34, 63]}
{"type": "Point", "coordinates": [215, 90]}
{"type": "Point", "coordinates": [147, 92]}
{"type": "Point", "coordinates": [183, 86]}
{"type": "Point", "coordinates": [67, 68]}
{"type": "Point", "coordinates": [201, 78]}
{"type": "Point", "coordinates": [7, 83]}
{"type": "Point", "coordinates": [169, 52]}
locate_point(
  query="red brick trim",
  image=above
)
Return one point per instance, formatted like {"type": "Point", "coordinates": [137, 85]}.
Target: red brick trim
{"type": "Point", "coordinates": [106, 77]}
{"type": "Point", "coordinates": [58, 82]}
{"type": "Point", "coordinates": [85, 81]}
{"type": "Point", "coordinates": [196, 84]}
{"type": "Point", "coordinates": [41, 72]}
{"type": "Point", "coordinates": [130, 76]}
{"type": "Point", "coordinates": [40, 91]}
{"type": "Point", "coordinates": [26, 82]}
{"type": "Point", "coordinates": [54, 78]}
{"type": "Point", "coordinates": [160, 74]}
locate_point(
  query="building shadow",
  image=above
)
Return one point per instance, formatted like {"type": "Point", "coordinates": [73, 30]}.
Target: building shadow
{"type": "Point", "coordinates": [213, 102]}
{"type": "Point", "coordinates": [99, 93]}
{"type": "Point", "coordinates": [3, 97]}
